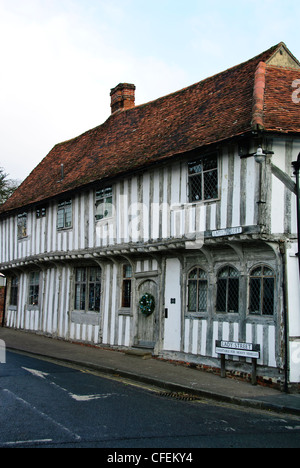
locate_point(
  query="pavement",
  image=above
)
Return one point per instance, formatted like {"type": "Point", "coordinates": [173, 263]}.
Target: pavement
{"type": "Point", "coordinates": [166, 375]}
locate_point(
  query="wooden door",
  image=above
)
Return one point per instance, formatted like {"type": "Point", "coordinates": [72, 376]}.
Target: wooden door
{"type": "Point", "coordinates": [146, 326]}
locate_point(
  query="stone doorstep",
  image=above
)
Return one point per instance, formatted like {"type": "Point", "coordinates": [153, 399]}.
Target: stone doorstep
{"type": "Point", "coordinates": [140, 353]}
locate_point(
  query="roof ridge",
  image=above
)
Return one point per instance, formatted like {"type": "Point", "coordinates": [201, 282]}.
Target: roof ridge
{"type": "Point", "coordinates": [271, 50]}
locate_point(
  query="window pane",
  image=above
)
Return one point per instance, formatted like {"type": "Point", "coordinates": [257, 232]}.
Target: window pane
{"type": "Point", "coordinates": [77, 297]}
{"type": "Point", "coordinates": [268, 297]}
{"type": "Point", "coordinates": [104, 208]}
{"type": "Point", "coordinates": [255, 295]}
{"type": "Point", "coordinates": [126, 293]}
{"type": "Point", "coordinates": [221, 295]}
{"type": "Point", "coordinates": [127, 271]}
{"type": "Point", "coordinates": [60, 218]}
{"type": "Point", "coordinates": [195, 167]}
{"type": "Point", "coordinates": [192, 296]}
{"type": "Point", "coordinates": [224, 273]}
{"type": "Point", "coordinates": [68, 216]}
{"type": "Point", "coordinates": [195, 188]}
{"type": "Point", "coordinates": [64, 214]}
{"type": "Point", "coordinates": [201, 274]}
{"type": "Point", "coordinates": [14, 291]}
{"type": "Point", "coordinates": [34, 280]}
{"type": "Point", "coordinates": [93, 296]}
{"type": "Point", "coordinates": [210, 163]}
{"type": "Point", "coordinates": [233, 295]}
{"type": "Point", "coordinates": [82, 296]}
{"type": "Point", "coordinates": [202, 296]}
{"type": "Point", "coordinates": [194, 274]}
{"type": "Point", "coordinates": [108, 208]}
{"type": "Point", "coordinates": [80, 274]}
{"type": "Point", "coordinates": [233, 273]}
{"type": "Point", "coordinates": [257, 272]}
{"type": "Point", "coordinates": [210, 185]}
{"type": "Point", "coordinates": [268, 272]}
{"type": "Point", "coordinates": [22, 225]}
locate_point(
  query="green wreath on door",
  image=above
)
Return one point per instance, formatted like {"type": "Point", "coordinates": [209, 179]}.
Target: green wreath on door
{"type": "Point", "coordinates": [147, 304]}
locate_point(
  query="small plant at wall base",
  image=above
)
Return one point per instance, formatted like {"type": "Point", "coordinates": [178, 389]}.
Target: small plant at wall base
{"type": "Point", "coordinates": [147, 304]}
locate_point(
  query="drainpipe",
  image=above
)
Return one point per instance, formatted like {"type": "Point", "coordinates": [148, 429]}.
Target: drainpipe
{"type": "Point", "coordinates": [296, 165]}
{"type": "Point", "coordinates": [282, 247]}
{"type": "Point", "coordinates": [4, 305]}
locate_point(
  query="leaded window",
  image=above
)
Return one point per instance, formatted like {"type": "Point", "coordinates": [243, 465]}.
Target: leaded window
{"type": "Point", "coordinates": [88, 289]}
{"type": "Point", "coordinates": [203, 179]}
{"type": "Point", "coordinates": [197, 291]}
{"type": "Point", "coordinates": [262, 287]}
{"type": "Point", "coordinates": [228, 285]}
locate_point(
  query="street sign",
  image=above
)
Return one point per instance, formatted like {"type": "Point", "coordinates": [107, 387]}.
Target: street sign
{"type": "Point", "coordinates": [233, 348]}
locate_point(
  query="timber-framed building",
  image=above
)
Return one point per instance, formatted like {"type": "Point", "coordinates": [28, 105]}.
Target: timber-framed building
{"type": "Point", "coordinates": [161, 201]}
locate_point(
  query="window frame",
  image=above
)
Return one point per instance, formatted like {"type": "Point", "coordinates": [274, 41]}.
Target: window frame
{"type": "Point", "coordinates": [65, 207]}
{"type": "Point", "coordinates": [262, 288]}
{"type": "Point", "coordinates": [34, 289]}
{"type": "Point", "coordinates": [101, 198]}
{"type": "Point", "coordinates": [41, 212]}
{"type": "Point", "coordinates": [22, 225]}
{"type": "Point", "coordinates": [202, 173]}
{"type": "Point", "coordinates": [84, 285]}
{"type": "Point", "coordinates": [14, 291]}
{"type": "Point", "coordinates": [230, 281]}
{"type": "Point", "coordinates": [198, 280]}
{"type": "Point", "coordinates": [126, 297]}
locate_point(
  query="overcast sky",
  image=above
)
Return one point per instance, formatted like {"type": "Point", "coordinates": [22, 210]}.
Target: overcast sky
{"type": "Point", "coordinates": [60, 58]}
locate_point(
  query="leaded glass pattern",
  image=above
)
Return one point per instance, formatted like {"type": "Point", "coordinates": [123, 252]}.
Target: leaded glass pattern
{"type": "Point", "coordinates": [262, 289]}
{"type": "Point", "coordinates": [197, 291]}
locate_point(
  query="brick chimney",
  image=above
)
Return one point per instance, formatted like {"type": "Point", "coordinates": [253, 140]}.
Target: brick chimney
{"type": "Point", "coordinates": [122, 97]}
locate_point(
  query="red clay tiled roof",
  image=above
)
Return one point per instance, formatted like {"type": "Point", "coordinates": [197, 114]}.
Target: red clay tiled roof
{"type": "Point", "coordinates": [281, 114]}
{"type": "Point", "coordinates": [221, 107]}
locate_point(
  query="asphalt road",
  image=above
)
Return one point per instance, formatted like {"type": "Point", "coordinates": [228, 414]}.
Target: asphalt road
{"type": "Point", "coordinates": [43, 404]}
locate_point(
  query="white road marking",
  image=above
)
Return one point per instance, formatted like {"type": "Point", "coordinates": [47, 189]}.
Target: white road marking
{"type": "Point", "coordinates": [79, 398]}
{"type": "Point", "coordinates": [90, 397]}
{"type": "Point", "coordinates": [43, 415]}
{"type": "Point", "coordinates": [37, 373]}
{"type": "Point", "coordinates": [22, 442]}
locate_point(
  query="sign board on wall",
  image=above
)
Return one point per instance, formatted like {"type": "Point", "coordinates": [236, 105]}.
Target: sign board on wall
{"type": "Point", "coordinates": [233, 348]}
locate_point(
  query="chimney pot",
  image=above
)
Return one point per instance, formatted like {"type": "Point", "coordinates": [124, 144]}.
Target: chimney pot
{"type": "Point", "coordinates": [122, 97]}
